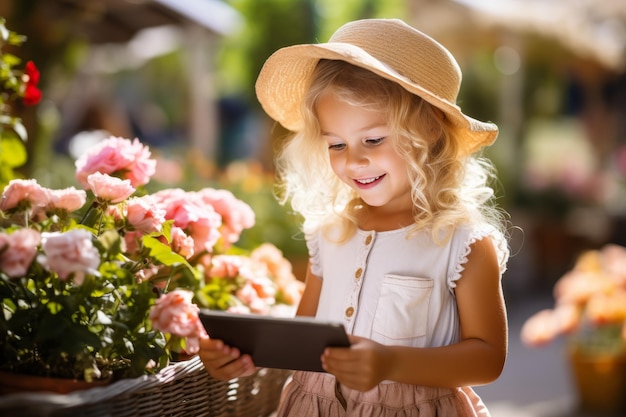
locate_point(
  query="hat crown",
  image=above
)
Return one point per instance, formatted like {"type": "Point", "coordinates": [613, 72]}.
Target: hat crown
{"type": "Point", "coordinates": [407, 51]}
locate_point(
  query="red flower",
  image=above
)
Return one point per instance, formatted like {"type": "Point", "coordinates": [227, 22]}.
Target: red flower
{"type": "Point", "coordinates": [32, 95]}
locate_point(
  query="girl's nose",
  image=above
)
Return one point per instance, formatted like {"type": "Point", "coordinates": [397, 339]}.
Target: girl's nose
{"type": "Point", "coordinates": [356, 158]}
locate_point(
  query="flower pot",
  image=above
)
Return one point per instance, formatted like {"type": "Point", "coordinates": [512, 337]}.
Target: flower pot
{"type": "Point", "coordinates": [13, 383]}
{"type": "Point", "coordinates": [600, 381]}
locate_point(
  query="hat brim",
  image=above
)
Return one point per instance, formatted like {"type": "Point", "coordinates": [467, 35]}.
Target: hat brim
{"type": "Point", "coordinates": [284, 80]}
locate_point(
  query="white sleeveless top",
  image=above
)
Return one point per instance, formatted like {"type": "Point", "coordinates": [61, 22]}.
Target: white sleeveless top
{"type": "Point", "coordinates": [395, 290]}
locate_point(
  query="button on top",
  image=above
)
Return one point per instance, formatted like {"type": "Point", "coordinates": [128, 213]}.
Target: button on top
{"type": "Point", "coordinates": [358, 273]}
{"type": "Point", "coordinates": [368, 239]}
{"type": "Point", "coordinates": [349, 311]}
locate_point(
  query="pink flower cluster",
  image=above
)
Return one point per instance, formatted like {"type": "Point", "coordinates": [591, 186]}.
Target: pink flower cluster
{"type": "Point", "coordinates": [205, 216]}
{"type": "Point", "coordinates": [277, 266]}
{"type": "Point", "coordinates": [66, 253]}
{"type": "Point", "coordinates": [28, 195]}
{"type": "Point", "coordinates": [199, 225]}
{"type": "Point", "coordinates": [266, 275]}
{"type": "Point", "coordinates": [175, 313]}
{"type": "Point", "coordinates": [118, 157]}
{"type": "Point", "coordinates": [69, 253]}
{"type": "Point", "coordinates": [144, 214]}
{"type": "Point", "coordinates": [593, 294]}
{"type": "Point", "coordinates": [110, 189]}
{"type": "Point", "coordinates": [236, 215]}
{"type": "Point", "coordinates": [17, 251]}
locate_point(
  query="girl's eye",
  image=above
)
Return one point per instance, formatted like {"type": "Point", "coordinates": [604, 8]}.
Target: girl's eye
{"type": "Point", "coordinates": [374, 141]}
{"type": "Point", "coordinates": [336, 147]}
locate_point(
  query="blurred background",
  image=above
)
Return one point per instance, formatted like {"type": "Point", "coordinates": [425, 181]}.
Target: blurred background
{"type": "Point", "coordinates": [179, 75]}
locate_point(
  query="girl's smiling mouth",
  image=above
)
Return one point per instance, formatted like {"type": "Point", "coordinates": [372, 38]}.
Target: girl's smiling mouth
{"type": "Point", "coordinates": [368, 182]}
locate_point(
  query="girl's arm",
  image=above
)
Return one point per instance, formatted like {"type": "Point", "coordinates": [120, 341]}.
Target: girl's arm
{"type": "Point", "coordinates": [477, 359]}
{"type": "Point", "coordinates": [311, 294]}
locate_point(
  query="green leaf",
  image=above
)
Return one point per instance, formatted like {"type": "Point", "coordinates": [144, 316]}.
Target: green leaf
{"type": "Point", "coordinates": [12, 152]}
{"type": "Point", "coordinates": [54, 307]}
{"type": "Point", "coordinates": [111, 241]}
{"type": "Point", "coordinates": [166, 231]}
{"type": "Point", "coordinates": [10, 58]}
{"type": "Point", "coordinates": [163, 253]}
{"type": "Point", "coordinates": [15, 38]}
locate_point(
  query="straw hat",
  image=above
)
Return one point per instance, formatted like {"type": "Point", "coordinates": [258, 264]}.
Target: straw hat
{"type": "Point", "coordinates": [387, 47]}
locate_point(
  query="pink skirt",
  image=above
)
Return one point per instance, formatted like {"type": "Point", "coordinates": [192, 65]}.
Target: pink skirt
{"type": "Point", "coordinates": [317, 394]}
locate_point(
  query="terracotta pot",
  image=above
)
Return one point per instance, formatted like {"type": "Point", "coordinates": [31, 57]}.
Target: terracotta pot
{"type": "Point", "coordinates": [12, 383]}
{"type": "Point", "coordinates": [600, 380]}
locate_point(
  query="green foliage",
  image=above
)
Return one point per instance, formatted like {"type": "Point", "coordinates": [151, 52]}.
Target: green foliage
{"type": "Point", "coordinates": [13, 134]}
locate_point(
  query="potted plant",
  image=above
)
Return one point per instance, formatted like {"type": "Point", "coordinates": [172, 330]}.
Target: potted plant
{"type": "Point", "coordinates": [100, 283]}
{"type": "Point", "coordinates": [590, 309]}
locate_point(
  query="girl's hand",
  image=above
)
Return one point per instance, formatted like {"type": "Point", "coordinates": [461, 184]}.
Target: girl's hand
{"type": "Point", "coordinates": [362, 366]}
{"type": "Point", "coordinates": [224, 362]}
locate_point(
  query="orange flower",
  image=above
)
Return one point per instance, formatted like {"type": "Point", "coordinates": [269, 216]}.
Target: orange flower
{"type": "Point", "coordinates": [540, 328]}
{"type": "Point", "coordinates": [579, 286]}
{"type": "Point", "coordinates": [589, 297]}
{"type": "Point", "coordinates": [608, 308]}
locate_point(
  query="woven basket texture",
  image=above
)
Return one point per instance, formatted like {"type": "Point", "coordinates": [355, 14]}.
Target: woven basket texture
{"type": "Point", "coordinates": [183, 389]}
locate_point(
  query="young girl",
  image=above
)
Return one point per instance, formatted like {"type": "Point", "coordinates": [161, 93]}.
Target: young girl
{"type": "Point", "coordinates": [406, 245]}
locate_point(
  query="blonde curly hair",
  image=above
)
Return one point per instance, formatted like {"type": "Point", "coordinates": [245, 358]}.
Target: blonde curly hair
{"type": "Point", "coordinates": [448, 187]}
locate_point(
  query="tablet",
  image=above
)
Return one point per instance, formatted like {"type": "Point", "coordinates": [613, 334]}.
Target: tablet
{"type": "Point", "coordinates": [295, 343]}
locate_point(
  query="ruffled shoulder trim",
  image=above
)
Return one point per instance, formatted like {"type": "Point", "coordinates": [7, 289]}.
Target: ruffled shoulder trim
{"type": "Point", "coordinates": [313, 245]}
{"type": "Point", "coordinates": [467, 238]}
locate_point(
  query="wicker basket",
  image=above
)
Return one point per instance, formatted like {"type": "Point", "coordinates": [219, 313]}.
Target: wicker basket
{"type": "Point", "coordinates": [184, 389]}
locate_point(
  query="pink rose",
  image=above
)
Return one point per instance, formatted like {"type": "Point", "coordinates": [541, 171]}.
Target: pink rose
{"type": "Point", "coordinates": [205, 232]}
{"type": "Point", "coordinates": [226, 266]}
{"type": "Point", "coordinates": [258, 295]}
{"type": "Point", "coordinates": [273, 259]}
{"type": "Point", "coordinates": [236, 214]}
{"type": "Point", "coordinates": [174, 313]}
{"type": "Point", "coordinates": [181, 243]}
{"type": "Point", "coordinates": [144, 214]}
{"type": "Point", "coordinates": [177, 206]}
{"type": "Point", "coordinates": [68, 199]}
{"type": "Point", "coordinates": [70, 252]}
{"type": "Point", "coordinates": [18, 251]}
{"type": "Point", "coordinates": [116, 213]}
{"type": "Point", "coordinates": [269, 257]}
{"type": "Point", "coordinates": [23, 192]}
{"type": "Point", "coordinates": [191, 214]}
{"type": "Point", "coordinates": [118, 157]}
{"type": "Point", "coordinates": [111, 189]}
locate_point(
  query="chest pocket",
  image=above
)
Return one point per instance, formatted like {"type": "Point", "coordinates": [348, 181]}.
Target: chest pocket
{"type": "Point", "coordinates": [402, 310]}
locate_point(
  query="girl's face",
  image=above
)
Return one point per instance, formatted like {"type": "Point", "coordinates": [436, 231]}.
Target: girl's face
{"type": "Point", "coordinates": [362, 154]}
